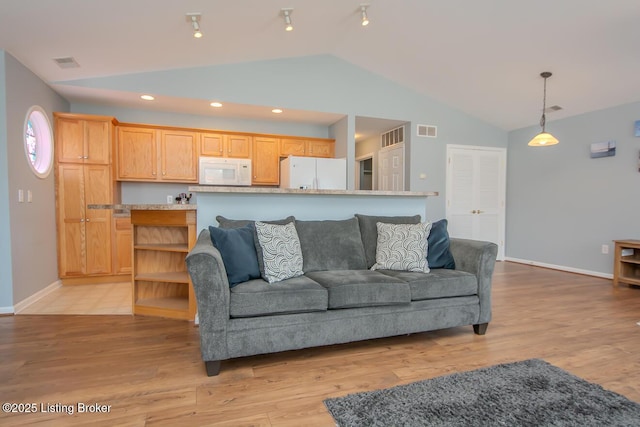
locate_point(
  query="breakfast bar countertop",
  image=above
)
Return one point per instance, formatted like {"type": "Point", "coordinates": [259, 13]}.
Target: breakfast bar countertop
{"type": "Point", "coordinates": [146, 207]}
{"type": "Point", "coordinates": [296, 191]}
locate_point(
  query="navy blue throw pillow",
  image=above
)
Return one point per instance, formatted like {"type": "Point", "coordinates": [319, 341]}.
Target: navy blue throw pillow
{"type": "Point", "coordinates": [238, 252]}
{"type": "Point", "coordinates": [438, 254]}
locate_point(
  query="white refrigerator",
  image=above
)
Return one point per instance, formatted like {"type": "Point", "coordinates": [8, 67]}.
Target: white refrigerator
{"type": "Point", "coordinates": [313, 173]}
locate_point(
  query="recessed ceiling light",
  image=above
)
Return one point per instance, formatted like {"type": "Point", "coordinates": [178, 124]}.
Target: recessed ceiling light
{"type": "Point", "coordinates": [216, 104]}
{"type": "Point", "coordinates": [147, 97]}
{"type": "Point", "coordinates": [276, 110]}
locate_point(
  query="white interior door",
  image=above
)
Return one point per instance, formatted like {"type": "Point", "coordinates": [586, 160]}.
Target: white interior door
{"type": "Point", "coordinates": [391, 168]}
{"type": "Point", "coordinates": [476, 191]}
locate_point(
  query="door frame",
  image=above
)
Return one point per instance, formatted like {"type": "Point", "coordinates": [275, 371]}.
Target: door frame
{"type": "Point", "coordinates": [374, 168]}
{"type": "Point", "coordinates": [502, 190]}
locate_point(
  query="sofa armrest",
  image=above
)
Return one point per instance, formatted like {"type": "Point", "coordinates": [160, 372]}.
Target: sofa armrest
{"type": "Point", "coordinates": [211, 287]}
{"type": "Point", "coordinates": [479, 258]}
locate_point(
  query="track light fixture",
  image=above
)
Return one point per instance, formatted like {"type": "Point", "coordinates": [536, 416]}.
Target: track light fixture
{"type": "Point", "coordinates": [194, 20]}
{"type": "Point", "coordinates": [544, 139]}
{"type": "Point", "coordinates": [286, 13]}
{"type": "Point", "coordinates": [363, 13]}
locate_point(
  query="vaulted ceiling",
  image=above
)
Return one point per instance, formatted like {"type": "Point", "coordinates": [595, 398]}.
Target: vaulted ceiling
{"type": "Point", "coordinates": [481, 57]}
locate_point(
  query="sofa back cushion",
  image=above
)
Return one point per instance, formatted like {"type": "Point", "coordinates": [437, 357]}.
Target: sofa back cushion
{"type": "Point", "coordinates": [369, 231]}
{"type": "Point", "coordinates": [331, 245]}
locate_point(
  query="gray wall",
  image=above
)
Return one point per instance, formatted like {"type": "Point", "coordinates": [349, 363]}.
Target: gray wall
{"type": "Point", "coordinates": [6, 287]}
{"type": "Point", "coordinates": [327, 84]}
{"type": "Point", "coordinates": [562, 206]}
{"type": "Point", "coordinates": [33, 261]}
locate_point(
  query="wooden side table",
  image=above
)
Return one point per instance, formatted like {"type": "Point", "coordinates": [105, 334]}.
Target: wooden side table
{"type": "Point", "coordinates": [626, 267]}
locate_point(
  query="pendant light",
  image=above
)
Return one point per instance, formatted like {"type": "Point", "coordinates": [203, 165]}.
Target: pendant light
{"type": "Point", "coordinates": [543, 139]}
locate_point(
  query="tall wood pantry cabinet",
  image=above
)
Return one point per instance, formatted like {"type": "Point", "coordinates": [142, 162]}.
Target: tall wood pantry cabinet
{"type": "Point", "coordinates": [83, 176]}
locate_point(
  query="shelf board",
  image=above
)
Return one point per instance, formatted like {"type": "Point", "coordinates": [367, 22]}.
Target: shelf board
{"type": "Point", "coordinates": [168, 276]}
{"type": "Point", "coordinates": [171, 307]}
{"type": "Point", "coordinates": [170, 303]}
{"type": "Point", "coordinates": [629, 280]}
{"type": "Point", "coordinates": [630, 259]}
{"type": "Point", "coordinates": [165, 247]}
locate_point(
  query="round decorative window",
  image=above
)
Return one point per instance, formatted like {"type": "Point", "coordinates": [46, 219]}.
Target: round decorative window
{"type": "Point", "coordinates": [38, 141]}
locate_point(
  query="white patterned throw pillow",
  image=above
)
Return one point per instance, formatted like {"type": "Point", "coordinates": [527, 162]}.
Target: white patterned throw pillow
{"type": "Point", "coordinates": [281, 251]}
{"type": "Point", "coordinates": [402, 247]}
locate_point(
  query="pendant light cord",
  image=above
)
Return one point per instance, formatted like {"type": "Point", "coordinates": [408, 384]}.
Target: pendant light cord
{"type": "Point", "coordinates": [543, 119]}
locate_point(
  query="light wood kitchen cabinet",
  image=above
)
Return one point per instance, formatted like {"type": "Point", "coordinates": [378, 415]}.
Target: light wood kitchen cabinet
{"type": "Point", "coordinates": [148, 154]}
{"type": "Point", "coordinates": [84, 235]}
{"type": "Point", "coordinates": [178, 156]}
{"type": "Point", "coordinates": [223, 145]}
{"type": "Point", "coordinates": [161, 284]}
{"type": "Point", "coordinates": [122, 245]}
{"type": "Point", "coordinates": [265, 163]}
{"type": "Point", "coordinates": [316, 148]}
{"type": "Point", "coordinates": [83, 139]}
{"type": "Point", "coordinates": [137, 154]}
{"type": "Point", "coordinates": [306, 147]}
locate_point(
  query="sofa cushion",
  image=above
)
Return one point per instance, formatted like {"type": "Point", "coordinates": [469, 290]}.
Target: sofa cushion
{"type": "Point", "coordinates": [361, 288]}
{"type": "Point", "coordinates": [402, 247]}
{"type": "Point", "coordinates": [238, 252]}
{"type": "Point", "coordinates": [259, 298]}
{"type": "Point", "coordinates": [331, 245]}
{"type": "Point", "coordinates": [440, 283]}
{"type": "Point", "coordinates": [235, 223]}
{"type": "Point", "coordinates": [369, 231]}
{"type": "Point", "coordinates": [281, 253]}
{"type": "Point", "coordinates": [439, 255]}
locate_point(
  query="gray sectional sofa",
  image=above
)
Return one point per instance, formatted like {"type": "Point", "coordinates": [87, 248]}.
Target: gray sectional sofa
{"type": "Point", "coordinates": [339, 298]}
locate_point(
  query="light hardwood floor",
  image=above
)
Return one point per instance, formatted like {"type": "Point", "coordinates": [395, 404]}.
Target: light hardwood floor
{"type": "Point", "coordinates": [149, 370]}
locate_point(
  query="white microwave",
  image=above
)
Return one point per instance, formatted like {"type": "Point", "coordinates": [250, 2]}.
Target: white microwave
{"type": "Point", "coordinates": [222, 171]}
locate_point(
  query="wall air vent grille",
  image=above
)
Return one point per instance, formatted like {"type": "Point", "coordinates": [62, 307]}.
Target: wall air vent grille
{"type": "Point", "coordinates": [427, 131]}
{"type": "Point", "coordinates": [392, 137]}
{"type": "Point", "coordinates": [66, 62]}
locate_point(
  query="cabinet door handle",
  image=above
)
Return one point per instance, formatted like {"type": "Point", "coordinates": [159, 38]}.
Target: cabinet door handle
{"type": "Point", "coordinates": [474, 211]}
{"type": "Point", "coordinates": [81, 157]}
{"type": "Point", "coordinates": [88, 220]}
{"type": "Point", "coordinates": [81, 219]}
{"type": "Point", "coordinates": [85, 157]}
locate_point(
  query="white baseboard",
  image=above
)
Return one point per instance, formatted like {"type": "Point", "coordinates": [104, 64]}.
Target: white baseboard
{"type": "Point", "coordinates": [35, 297]}
{"type": "Point", "coordinates": [561, 267]}
{"type": "Point", "coordinates": [6, 310]}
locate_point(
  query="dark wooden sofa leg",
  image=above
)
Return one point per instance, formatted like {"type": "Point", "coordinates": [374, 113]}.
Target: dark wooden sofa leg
{"type": "Point", "coordinates": [213, 367]}
{"type": "Point", "coordinates": [480, 329]}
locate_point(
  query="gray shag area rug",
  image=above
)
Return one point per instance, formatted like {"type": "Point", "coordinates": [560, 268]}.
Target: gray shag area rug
{"type": "Point", "coordinates": [528, 393]}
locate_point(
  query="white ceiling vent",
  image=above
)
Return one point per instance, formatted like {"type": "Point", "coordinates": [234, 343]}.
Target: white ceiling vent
{"type": "Point", "coordinates": [427, 131]}
{"type": "Point", "coordinates": [67, 62]}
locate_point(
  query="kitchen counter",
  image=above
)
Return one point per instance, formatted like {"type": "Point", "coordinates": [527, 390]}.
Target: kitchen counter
{"type": "Point", "coordinates": [146, 207]}
{"type": "Point", "coordinates": [296, 191]}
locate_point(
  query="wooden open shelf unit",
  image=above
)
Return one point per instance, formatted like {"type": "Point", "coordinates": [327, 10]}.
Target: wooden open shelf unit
{"type": "Point", "coordinates": [626, 268]}
{"type": "Point", "coordinates": [161, 284]}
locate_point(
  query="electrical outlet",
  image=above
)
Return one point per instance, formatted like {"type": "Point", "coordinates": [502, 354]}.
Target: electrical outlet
{"type": "Point", "coordinates": [20, 196]}
{"type": "Point", "coordinates": [169, 198]}
{"type": "Point", "coordinates": [29, 196]}
{"type": "Point", "coordinates": [605, 249]}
